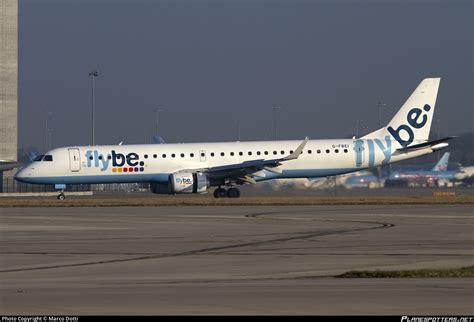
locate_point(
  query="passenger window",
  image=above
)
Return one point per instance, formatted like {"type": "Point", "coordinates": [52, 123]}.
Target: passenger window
{"type": "Point", "coordinates": [258, 152]}
{"type": "Point", "coordinates": [164, 156]}
{"type": "Point", "coordinates": [250, 152]}
{"type": "Point", "coordinates": [182, 155]}
{"type": "Point", "coordinates": [232, 154]}
{"type": "Point", "coordinates": [191, 155]}
{"type": "Point", "coordinates": [91, 158]}
{"type": "Point", "coordinates": [109, 157]}
{"type": "Point", "coordinates": [241, 153]}
{"type": "Point", "coordinates": [222, 154]}
{"type": "Point", "coordinates": [327, 151]}
{"type": "Point", "coordinates": [291, 151]}
{"type": "Point", "coordinates": [345, 151]}
{"type": "Point", "coordinates": [155, 156]}
{"type": "Point", "coordinates": [275, 152]}
{"type": "Point", "coordinates": [266, 152]}
{"type": "Point", "coordinates": [282, 152]}
{"type": "Point", "coordinates": [203, 154]}
{"type": "Point", "coordinates": [319, 151]}
{"type": "Point", "coordinates": [337, 150]}
{"type": "Point", "coordinates": [100, 157]}
{"type": "Point", "coordinates": [212, 154]}
{"type": "Point", "coordinates": [48, 158]}
{"type": "Point", "coordinates": [309, 151]}
{"type": "Point", "coordinates": [146, 156]}
{"type": "Point", "coordinates": [173, 155]}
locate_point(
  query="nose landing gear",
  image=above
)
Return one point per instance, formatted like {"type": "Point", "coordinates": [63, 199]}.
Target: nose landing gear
{"type": "Point", "coordinates": [61, 188]}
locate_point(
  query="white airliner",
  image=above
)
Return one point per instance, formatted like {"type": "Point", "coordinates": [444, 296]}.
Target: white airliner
{"type": "Point", "coordinates": [195, 167]}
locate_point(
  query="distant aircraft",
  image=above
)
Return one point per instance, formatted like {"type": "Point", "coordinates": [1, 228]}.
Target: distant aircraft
{"type": "Point", "coordinates": [438, 175]}
{"type": "Point", "coordinates": [195, 167]}
{"type": "Point", "coordinates": [465, 174]}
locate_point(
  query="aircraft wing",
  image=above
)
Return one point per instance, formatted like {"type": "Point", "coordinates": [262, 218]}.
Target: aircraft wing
{"type": "Point", "coordinates": [241, 171]}
{"type": "Point", "coordinates": [244, 171]}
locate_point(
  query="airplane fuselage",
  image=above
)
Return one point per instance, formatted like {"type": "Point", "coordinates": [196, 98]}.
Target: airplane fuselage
{"type": "Point", "coordinates": [155, 162]}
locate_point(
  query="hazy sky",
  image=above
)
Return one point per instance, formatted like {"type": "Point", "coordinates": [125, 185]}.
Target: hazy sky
{"type": "Point", "coordinates": [211, 64]}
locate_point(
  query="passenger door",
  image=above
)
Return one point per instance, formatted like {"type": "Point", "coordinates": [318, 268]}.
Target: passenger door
{"type": "Point", "coordinates": [74, 160]}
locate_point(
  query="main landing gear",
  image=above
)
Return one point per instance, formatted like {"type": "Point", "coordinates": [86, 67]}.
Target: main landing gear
{"type": "Point", "coordinates": [230, 193]}
{"type": "Point", "coordinates": [61, 196]}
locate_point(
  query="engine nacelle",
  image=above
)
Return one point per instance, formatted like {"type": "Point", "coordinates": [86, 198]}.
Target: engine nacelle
{"type": "Point", "coordinates": [182, 182]}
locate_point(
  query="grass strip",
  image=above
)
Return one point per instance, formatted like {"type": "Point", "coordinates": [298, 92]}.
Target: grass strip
{"type": "Point", "coordinates": [127, 201]}
{"type": "Point", "coordinates": [417, 273]}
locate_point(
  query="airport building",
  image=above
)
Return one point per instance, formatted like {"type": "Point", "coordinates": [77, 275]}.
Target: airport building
{"type": "Point", "coordinates": [8, 87]}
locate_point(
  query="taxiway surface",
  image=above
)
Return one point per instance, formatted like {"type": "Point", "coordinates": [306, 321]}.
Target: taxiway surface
{"type": "Point", "coordinates": [233, 260]}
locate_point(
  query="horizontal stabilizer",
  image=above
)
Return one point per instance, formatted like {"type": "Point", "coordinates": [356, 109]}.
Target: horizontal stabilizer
{"type": "Point", "coordinates": [435, 145]}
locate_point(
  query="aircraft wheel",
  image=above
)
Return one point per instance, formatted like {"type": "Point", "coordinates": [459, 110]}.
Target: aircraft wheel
{"type": "Point", "coordinates": [220, 193]}
{"type": "Point", "coordinates": [233, 193]}
{"type": "Point", "coordinates": [61, 196]}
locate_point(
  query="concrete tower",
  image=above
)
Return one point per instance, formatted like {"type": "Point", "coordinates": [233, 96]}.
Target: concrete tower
{"type": "Point", "coordinates": [8, 81]}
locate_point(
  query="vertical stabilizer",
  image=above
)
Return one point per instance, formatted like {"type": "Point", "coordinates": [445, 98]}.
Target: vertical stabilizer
{"type": "Point", "coordinates": [412, 123]}
{"type": "Point", "coordinates": [442, 164]}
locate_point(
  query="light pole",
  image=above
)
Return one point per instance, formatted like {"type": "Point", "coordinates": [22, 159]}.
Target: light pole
{"type": "Point", "coordinates": [275, 109]}
{"type": "Point", "coordinates": [437, 126]}
{"type": "Point", "coordinates": [238, 130]}
{"type": "Point", "coordinates": [379, 168]}
{"type": "Point", "coordinates": [157, 111]}
{"type": "Point", "coordinates": [48, 134]}
{"type": "Point", "coordinates": [93, 74]}
{"type": "Point", "coordinates": [380, 105]}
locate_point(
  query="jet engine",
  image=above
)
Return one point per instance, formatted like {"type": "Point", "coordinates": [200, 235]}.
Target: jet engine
{"type": "Point", "coordinates": [182, 182]}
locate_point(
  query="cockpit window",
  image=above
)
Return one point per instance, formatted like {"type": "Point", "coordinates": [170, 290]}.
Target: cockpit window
{"type": "Point", "coordinates": [48, 158]}
{"type": "Point", "coordinates": [39, 157]}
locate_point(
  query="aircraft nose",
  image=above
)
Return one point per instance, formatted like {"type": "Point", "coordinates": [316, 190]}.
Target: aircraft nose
{"type": "Point", "coordinates": [21, 175]}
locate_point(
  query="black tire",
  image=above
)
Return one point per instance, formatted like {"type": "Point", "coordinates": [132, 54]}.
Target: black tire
{"type": "Point", "coordinates": [233, 193]}
{"type": "Point", "coordinates": [61, 196]}
{"type": "Point", "coordinates": [220, 193]}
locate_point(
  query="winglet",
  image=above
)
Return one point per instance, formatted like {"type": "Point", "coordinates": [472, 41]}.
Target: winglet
{"type": "Point", "coordinates": [297, 152]}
